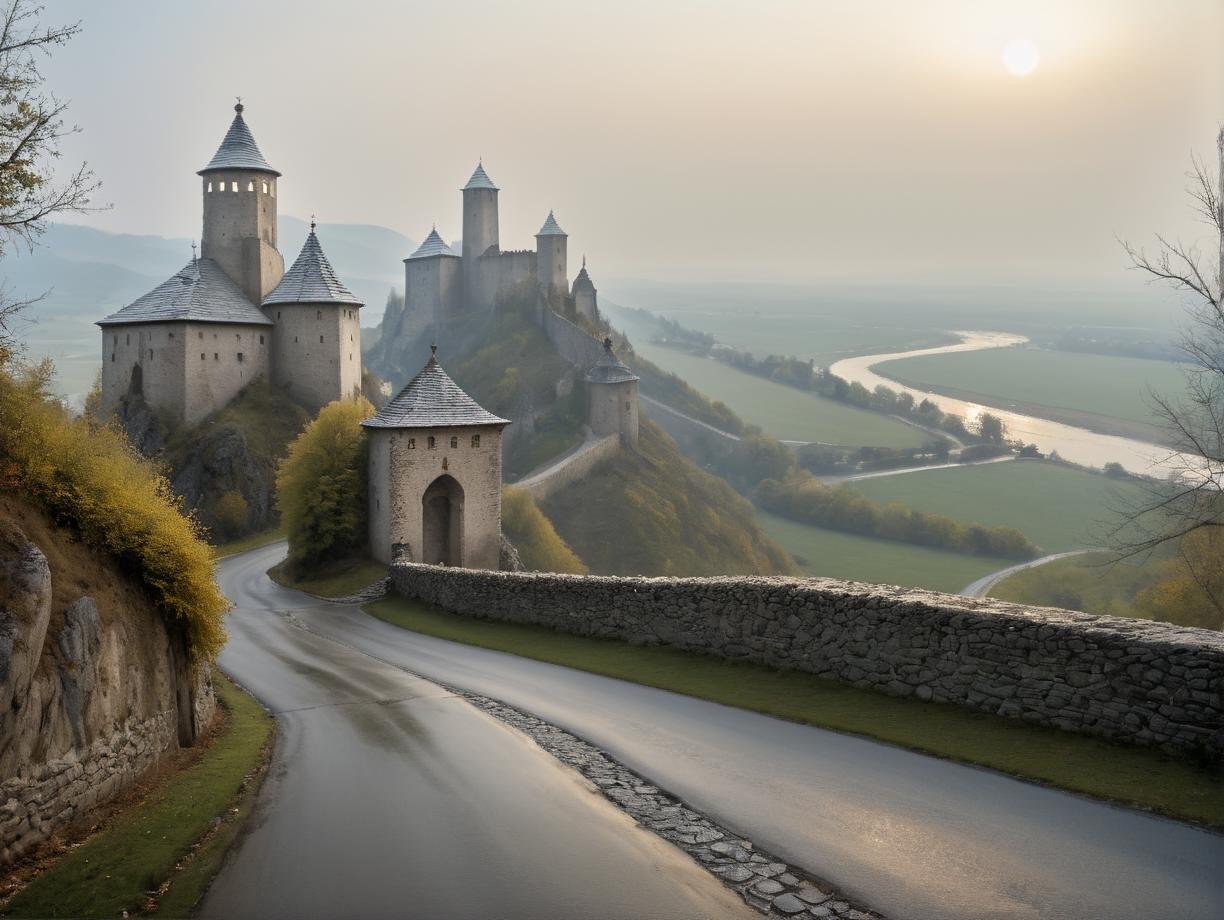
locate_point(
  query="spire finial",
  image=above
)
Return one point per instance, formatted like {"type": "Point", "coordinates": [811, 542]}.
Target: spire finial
{"type": "Point", "coordinates": [238, 106]}
{"type": "Point", "coordinates": [584, 260]}
{"type": "Point", "coordinates": [193, 250]}
{"type": "Point", "coordinates": [607, 343]}
{"type": "Point", "coordinates": [312, 223]}
{"type": "Point", "coordinates": [433, 350]}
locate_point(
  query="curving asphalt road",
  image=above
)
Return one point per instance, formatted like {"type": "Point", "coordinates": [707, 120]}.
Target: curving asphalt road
{"type": "Point", "coordinates": [982, 586]}
{"type": "Point", "coordinates": [914, 837]}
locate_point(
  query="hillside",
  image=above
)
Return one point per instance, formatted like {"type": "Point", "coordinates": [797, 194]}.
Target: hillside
{"type": "Point", "coordinates": [655, 513]}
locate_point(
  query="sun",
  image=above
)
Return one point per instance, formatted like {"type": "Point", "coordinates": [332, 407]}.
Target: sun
{"type": "Point", "coordinates": [1021, 57]}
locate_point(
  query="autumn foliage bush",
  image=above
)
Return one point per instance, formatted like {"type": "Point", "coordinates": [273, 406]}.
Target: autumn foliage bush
{"type": "Point", "coordinates": [88, 478]}
{"type": "Point", "coordinates": [540, 547]}
{"type": "Point", "coordinates": [321, 486]}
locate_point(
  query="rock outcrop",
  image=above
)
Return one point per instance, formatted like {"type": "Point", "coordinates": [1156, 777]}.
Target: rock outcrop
{"type": "Point", "coordinates": [95, 687]}
{"type": "Point", "coordinates": [221, 462]}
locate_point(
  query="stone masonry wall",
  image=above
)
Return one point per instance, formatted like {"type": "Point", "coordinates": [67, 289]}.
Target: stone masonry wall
{"type": "Point", "coordinates": [1134, 681]}
{"type": "Point", "coordinates": [573, 343]}
{"type": "Point", "coordinates": [570, 468]}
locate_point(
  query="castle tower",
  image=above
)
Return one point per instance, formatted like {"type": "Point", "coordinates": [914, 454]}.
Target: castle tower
{"type": "Point", "coordinates": [479, 230]}
{"type": "Point", "coordinates": [431, 285]}
{"type": "Point", "coordinates": [316, 348]}
{"type": "Point", "coordinates": [612, 398]}
{"type": "Point", "coordinates": [551, 243]}
{"type": "Point", "coordinates": [435, 475]}
{"type": "Point", "coordinates": [584, 294]}
{"type": "Point", "coordinates": [239, 189]}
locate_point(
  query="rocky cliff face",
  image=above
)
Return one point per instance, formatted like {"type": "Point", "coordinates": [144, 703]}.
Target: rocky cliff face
{"type": "Point", "coordinates": [94, 687]}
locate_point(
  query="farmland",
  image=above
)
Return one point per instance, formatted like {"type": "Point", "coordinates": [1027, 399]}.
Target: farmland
{"type": "Point", "coordinates": [781, 411]}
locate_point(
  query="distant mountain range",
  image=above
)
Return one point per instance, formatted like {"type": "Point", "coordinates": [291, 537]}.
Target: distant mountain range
{"type": "Point", "coordinates": [88, 273]}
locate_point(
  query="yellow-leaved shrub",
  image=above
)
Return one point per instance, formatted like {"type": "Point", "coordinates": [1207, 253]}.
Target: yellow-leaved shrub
{"type": "Point", "coordinates": [87, 477]}
{"type": "Point", "coordinates": [321, 485]}
{"type": "Point", "coordinates": [540, 547]}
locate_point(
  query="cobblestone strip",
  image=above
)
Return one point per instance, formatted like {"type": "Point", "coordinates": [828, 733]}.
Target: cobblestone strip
{"type": "Point", "coordinates": [768, 884]}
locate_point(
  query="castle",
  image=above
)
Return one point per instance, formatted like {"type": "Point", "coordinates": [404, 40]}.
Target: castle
{"type": "Point", "coordinates": [435, 455]}
{"type": "Point", "coordinates": [236, 308]}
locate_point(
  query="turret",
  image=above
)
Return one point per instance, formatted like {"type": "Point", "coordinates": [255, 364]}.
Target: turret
{"type": "Point", "coordinates": [584, 294]}
{"type": "Point", "coordinates": [612, 398]}
{"type": "Point", "coordinates": [479, 228]}
{"type": "Point", "coordinates": [239, 189]}
{"type": "Point", "coordinates": [551, 243]}
{"type": "Point", "coordinates": [316, 351]}
{"type": "Point", "coordinates": [431, 285]}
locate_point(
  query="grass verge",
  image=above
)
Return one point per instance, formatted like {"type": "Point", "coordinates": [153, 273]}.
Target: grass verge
{"type": "Point", "coordinates": [254, 541]}
{"type": "Point", "coordinates": [159, 856]}
{"type": "Point", "coordinates": [338, 578]}
{"type": "Point", "coordinates": [1134, 776]}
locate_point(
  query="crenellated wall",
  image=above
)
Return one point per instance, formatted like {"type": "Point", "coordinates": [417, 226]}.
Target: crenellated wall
{"type": "Point", "coordinates": [1134, 681]}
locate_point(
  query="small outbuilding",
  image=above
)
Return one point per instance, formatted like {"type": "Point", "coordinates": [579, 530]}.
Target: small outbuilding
{"type": "Point", "coordinates": [435, 476]}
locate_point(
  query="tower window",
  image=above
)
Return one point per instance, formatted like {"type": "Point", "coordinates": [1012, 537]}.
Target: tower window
{"type": "Point", "coordinates": [112, 357]}
{"type": "Point", "coordinates": [278, 314]}
{"type": "Point", "coordinates": [261, 340]}
{"type": "Point", "coordinates": [238, 336]}
{"type": "Point", "coordinates": [412, 443]}
{"type": "Point", "coordinates": [454, 442]}
{"type": "Point", "coordinates": [234, 186]}
{"type": "Point", "coordinates": [201, 335]}
{"type": "Point", "coordinates": [127, 338]}
{"type": "Point", "coordinates": [210, 186]}
{"type": "Point", "coordinates": [431, 442]}
{"type": "Point", "coordinates": [265, 188]}
{"type": "Point", "coordinates": [318, 314]}
{"type": "Point", "coordinates": [171, 335]}
{"type": "Point", "coordinates": [239, 357]}
{"type": "Point", "coordinates": [251, 186]}
{"type": "Point", "coordinates": [320, 340]}
{"type": "Point", "coordinates": [150, 354]}
{"type": "Point", "coordinates": [201, 356]}
{"type": "Point", "coordinates": [216, 357]}
{"type": "Point", "coordinates": [295, 340]}
{"type": "Point", "coordinates": [475, 440]}
{"type": "Point", "coordinates": [116, 340]}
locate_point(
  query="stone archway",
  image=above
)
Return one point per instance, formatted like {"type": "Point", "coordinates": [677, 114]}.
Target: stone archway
{"type": "Point", "coordinates": [136, 382]}
{"type": "Point", "coordinates": [442, 522]}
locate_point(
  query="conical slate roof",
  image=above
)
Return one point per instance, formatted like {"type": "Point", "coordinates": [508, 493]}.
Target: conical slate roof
{"type": "Point", "coordinates": [551, 228]}
{"type": "Point", "coordinates": [583, 281]}
{"type": "Point", "coordinates": [238, 149]}
{"type": "Point", "coordinates": [311, 279]}
{"type": "Point", "coordinates": [201, 293]}
{"type": "Point", "coordinates": [432, 400]}
{"type": "Point", "coordinates": [434, 245]}
{"type": "Point", "coordinates": [609, 369]}
{"type": "Point", "coordinates": [480, 179]}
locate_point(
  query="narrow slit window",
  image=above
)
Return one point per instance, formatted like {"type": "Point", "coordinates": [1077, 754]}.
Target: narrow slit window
{"type": "Point", "coordinates": [412, 443]}
{"type": "Point", "coordinates": [475, 440]}
{"type": "Point", "coordinates": [210, 186]}
{"type": "Point", "coordinates": [202, 356]}
{"type": "Point", "coordinates": [239, 357]}
{"type": "Point", "coordinates": [431, 442]}
{"type": "Point", "coordinates": [216, 357]}
{"type": "Point", "coordinates": [454, 443]}
{"type": "Point", "coordinates": [265, 188]}
{"type": "Point", "coordinates": [234, 185]}
{"type": "Point", "coordinates": [261, 340]}
{"type": "Point", "coordinates": [251, 186]}
{"type": "Point", "coordinates": [318, 314]}
{"type": "Point", "coordinates": [320, 340]}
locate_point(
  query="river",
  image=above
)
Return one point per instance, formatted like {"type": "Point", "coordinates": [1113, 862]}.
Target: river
{"type": "Point", "coordinates": [1077, 445]}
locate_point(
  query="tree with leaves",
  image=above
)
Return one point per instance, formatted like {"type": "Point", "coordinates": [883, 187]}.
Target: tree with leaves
{"type": "Point", "coordinates": [31, 127]}
{"type": "Point", "coordinates": [1183, 509]}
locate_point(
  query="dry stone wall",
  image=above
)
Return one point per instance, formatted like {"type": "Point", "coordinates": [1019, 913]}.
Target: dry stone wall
{"type": "Point", "coordinates": [1134, 681]}
{"type": "Point", "coordinates": [571, 468]}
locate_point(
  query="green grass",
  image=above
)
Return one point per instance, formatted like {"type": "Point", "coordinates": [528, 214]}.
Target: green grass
{"type": "Point", "coordinates": [1133, 775]}
{"type": "Point", "coordinates": [138, 852]}
{"type": "Point", "coordinates": [339, 578]}
{"type": "Point", "coordinates": [1088, 582]}
{"type": "Point", "coordinates": [254, 541]}
{"type": "Point", "coordinates": [1056, 507]}
{"type": "Point", "coordinates": [833, 554]}
{"type": "Point", "coordinates": [1099, 384]}
{"type": "Point", "coordinates": [781, 411]}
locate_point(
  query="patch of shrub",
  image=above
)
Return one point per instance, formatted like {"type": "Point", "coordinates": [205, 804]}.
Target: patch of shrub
{"type": "Point", "coordinates": [540, 547]}
{"type": "Point", "coordinates": [230, 513]}
{"type": "Point", "coordinates": [86, 476]}
{"type": "Point", "coordinates": [321, 486]}
{"type": "Point", "coordinates": [804, 498]}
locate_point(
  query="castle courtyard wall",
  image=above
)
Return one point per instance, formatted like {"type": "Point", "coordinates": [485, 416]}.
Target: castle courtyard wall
{"type": "Point", "coordinates": [403, 466]}
{"type": "Point", "coordinates": [1133, 681]}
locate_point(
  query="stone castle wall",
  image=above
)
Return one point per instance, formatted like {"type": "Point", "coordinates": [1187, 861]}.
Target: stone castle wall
{"type": "Point", "coordinates": [1134, 681]}
{"type": "Point", "coordinates": [316, 351]}
{"type": "Point", "coordinates": [573, 343]}
{"type": "Point", "coordinates": [571, 468]}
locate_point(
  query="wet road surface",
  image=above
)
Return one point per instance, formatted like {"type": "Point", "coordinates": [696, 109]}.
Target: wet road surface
{"type": "Point", "coordinates": [392, 797]}
{"type": "Point", "coordinates": [914, 837]}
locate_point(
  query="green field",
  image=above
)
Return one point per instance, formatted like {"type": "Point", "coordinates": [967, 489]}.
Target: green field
{"type": "Point", "coordinates": [1099, 384]}
{"type": "Point", "coordinates": [833, 554]}
{"type": "Point", "coordinates": [1056, 507]}
{"type": "Point", "coordinates": [781, 411]}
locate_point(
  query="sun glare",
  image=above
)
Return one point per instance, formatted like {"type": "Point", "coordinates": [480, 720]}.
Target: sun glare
{"type": "Point", "coordinates": [1021, 57]}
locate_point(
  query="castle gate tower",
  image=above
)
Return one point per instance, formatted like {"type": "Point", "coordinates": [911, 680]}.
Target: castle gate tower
{"type": "Point", "coordinates": [551, 243]}
{"type": "Point", "coordinates": [479, 229]}
{"type": "Point", "coordinates": [435, 475]}
{"type": "Point", "coordinates": [239, 190]}
{"type": "Point", "coordinates": [583, 292]}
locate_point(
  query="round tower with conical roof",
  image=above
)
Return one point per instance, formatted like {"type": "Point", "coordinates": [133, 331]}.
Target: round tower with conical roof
{"type": "Point", "coordinates": [431, 285]}
{"type": "Point", "coordinates": [583, 292]}
{"type": "Point", "coordinates": [239, 190]}
{"type": "Point", "coordinates": [551, 243]}
{"type": "Point", "coordinates": [316, 349]}
{"type": "Point", "coordinates": [612, 398]}
{"type": "Point", "coordinates": [479, 230]}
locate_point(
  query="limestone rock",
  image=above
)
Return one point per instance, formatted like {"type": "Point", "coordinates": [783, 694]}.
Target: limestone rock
{"type": "Point", "coordinates": [25, 611]}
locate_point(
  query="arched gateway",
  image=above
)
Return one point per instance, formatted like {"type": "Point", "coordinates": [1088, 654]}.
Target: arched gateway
{"type": "Point", "coordinates": [435, 475]}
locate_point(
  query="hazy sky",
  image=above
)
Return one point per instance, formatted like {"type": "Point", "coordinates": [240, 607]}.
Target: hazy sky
{"type": "Point", "coordinates": [679, 140]}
